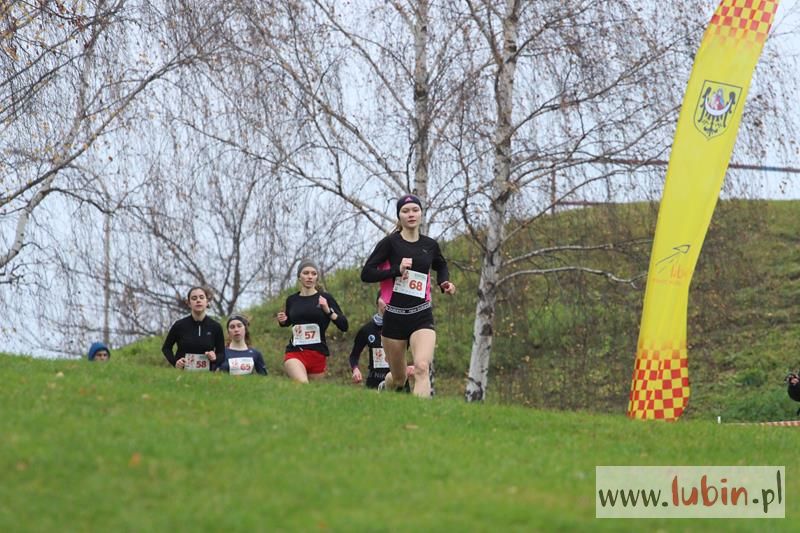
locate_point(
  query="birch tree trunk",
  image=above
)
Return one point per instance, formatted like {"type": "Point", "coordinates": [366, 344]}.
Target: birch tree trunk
{"type": "Point", "coordinates": [502, 189]}
{"type": "Point", "coordinates": [421, 113]}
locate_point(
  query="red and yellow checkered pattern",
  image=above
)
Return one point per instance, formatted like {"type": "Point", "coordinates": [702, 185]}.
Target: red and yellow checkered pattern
{"type": "Point", "coordinates": [660, 387]}
{"type": "Point", "coordinates": [745, 21]}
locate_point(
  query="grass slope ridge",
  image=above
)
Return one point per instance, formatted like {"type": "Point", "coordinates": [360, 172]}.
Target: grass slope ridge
{"type": "Point", "coordinates": [568, 341]}
{"type": "Point", "coordinates": [122, 446]}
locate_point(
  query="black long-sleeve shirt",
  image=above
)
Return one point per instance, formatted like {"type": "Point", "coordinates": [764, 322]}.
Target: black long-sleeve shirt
{"type": "Point", "coordinates": [192, 336]}
{"type": "Point", "coordinates": [383, 265]}
{"type": "Point", "coordinates": [305, 310]}
{"type": "Point", "coordinates": [368, 336]}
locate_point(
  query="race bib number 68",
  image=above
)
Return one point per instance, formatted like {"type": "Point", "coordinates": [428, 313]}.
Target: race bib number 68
{"type": "Point", "coordinates": [414, 284]}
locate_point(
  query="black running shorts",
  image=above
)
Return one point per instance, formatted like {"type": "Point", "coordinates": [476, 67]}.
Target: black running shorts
{"type": "Point", "coordinates": [400, 327]}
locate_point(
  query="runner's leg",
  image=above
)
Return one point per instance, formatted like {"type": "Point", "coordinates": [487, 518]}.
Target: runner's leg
{"type": "Point", "coordinates": [432, 375]}
{"type": "Point", "coordinates": [422, 344]}
{"type": "Point", "coordinates": [296, 370]}
{"type": "Point", "coordinates": [395, 350]}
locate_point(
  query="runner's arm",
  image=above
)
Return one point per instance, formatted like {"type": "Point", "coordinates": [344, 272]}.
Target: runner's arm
{"type": "Point", "coordinates": [341, 319]}
{"type": "Point", "coordinates": [219, 347]}
{"type": "Point", "coordinates": [358, 346]}
{"type": "Point", "coordinates": [169, 342]}
{"type": "Point", "coordinates": [439, 264]}
{"type": "Point", "coordinates": [372, 270]}
{"type": "Point", "coordinates": [258, 361]}
{"type": "Point", "coordinates": [288, 321]}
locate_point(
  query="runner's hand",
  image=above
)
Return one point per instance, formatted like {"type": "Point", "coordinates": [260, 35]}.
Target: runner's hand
{"type": "Point", "coordinates": [357, 378]}
{"type": "Point", "coordinates": [405, 264]}
{"type": "Point", "coordinates": [448, 287]}
{"type": "Point", "coordinates": [323, 304]}
{"type": "Point", "coordinates": [180, 363]}
{"type": "Point", "coordinates": [212, 356]}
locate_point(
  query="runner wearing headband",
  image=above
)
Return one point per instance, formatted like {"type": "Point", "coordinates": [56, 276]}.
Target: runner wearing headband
{"type": "Point", "coordinates": [240, 357]}
{"type": "Point", "coordinates": [402, 262]}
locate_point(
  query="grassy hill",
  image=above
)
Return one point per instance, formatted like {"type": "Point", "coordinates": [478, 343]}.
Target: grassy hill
{"type": "Point", "coordinates": [568, 341]}
{"type": "Point", "coordinates": [127, 447]}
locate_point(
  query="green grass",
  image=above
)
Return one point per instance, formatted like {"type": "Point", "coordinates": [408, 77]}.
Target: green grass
{"type": "Point", "coordinates": [129, 447]}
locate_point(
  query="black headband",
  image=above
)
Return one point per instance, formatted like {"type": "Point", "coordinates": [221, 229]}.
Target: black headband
{"type": "Point", "coordinates": [407, 199]}
{"type": "Point", "coordinates": [240, 318]}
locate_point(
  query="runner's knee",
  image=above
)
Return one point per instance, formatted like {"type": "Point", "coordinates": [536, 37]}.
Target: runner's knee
{"type": "Point", "coordinates": [421, 369]}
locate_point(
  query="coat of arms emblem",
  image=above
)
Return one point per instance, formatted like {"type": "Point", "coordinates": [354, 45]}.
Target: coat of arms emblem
{"type": "Point", "coordinates": [715, 107]}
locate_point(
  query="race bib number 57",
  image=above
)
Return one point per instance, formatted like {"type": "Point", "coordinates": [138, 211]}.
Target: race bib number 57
{"type": "Point", "coordinates": [414, 284]}
{"type": "Point", "coordinates": [196, 362]}
{"type": "Point", "coordinates": [305, 334]}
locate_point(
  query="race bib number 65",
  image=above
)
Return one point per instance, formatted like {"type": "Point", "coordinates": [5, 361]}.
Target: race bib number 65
{"type": "Point", "coordinates": [305, 334]}
{"type": "Point", "coordinates": [414, 284]}
{"type": "Point", "coordinates": [241, 365]}
{"type": "Point", "coordinates": [196, 362]}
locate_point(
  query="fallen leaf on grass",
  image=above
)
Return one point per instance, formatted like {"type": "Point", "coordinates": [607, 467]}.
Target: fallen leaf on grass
{"type": "Point", "coordinates": [136, 460]}
{"type": "Point", "coordinates": [411, 426]}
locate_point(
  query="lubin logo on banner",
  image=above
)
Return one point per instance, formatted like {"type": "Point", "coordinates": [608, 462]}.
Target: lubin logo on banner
{"type": "Point", "coordinates": [717, 102]}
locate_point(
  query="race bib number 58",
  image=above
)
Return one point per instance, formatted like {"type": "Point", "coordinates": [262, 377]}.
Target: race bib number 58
{"type": "Point", "coordinates": [414, 284]}
{"type": "Point", "coordinates": [305, 334]}
{"type": "Point", "coordinates": [196, 362]}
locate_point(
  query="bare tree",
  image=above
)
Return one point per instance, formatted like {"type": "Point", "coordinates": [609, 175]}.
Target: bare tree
{"type": "Point", "coordinates": [73, 74]}
{"type": "Point", "coordinates": [595, 67]}
{"type": "Point", "coordinates": [66, 82]}
{"type": "Point", "coordinates": [368, 93]}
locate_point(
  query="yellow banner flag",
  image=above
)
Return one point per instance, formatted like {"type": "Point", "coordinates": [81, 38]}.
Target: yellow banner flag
{"type": "Point", "coordinates": [704, 139]}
